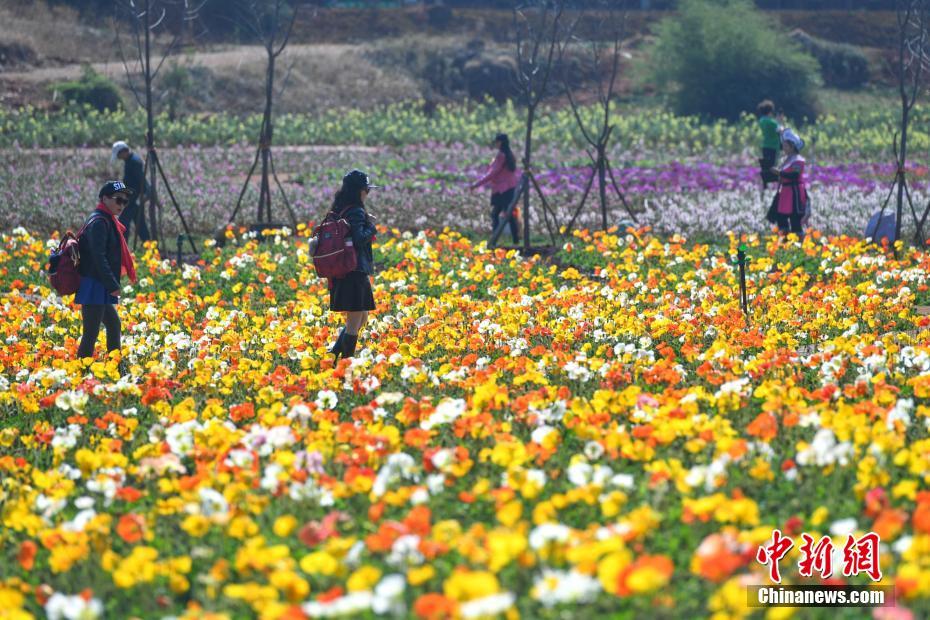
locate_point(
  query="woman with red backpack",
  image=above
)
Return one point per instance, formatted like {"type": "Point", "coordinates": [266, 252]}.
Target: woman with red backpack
{"type": "Point", "coordinates": [352, 294]}
{"type": "Point", "coordinates": [105, 257]}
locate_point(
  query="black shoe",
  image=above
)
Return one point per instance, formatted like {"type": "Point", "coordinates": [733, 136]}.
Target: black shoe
{"type": "Point", "coordinates": [337, 346]}
{"type": "Point", "coordinates": [348, 345]}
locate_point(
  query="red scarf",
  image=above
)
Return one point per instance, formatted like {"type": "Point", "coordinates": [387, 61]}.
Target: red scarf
{"type": "Point", "coordinates": [127, 267]}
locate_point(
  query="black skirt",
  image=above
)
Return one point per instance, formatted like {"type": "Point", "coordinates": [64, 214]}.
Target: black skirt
{"type": "Point", "coordinates": [351, 293]}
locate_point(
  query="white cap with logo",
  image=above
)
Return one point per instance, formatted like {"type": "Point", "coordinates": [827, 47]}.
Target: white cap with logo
{"type": "Point", "coordinates": [117, 148]}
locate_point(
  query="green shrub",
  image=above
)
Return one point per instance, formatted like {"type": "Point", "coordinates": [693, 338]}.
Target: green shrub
{"type": "Point", "coordinates": [723, 56]}
{"type": "Point", "coordinates": [92, 89]}
{"type": "Point", "coordinates": [841, 65]}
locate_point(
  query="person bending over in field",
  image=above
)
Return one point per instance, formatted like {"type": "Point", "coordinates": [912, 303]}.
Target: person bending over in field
{"type": "Point", "coordinates": [353, 293]}
{"type": "Point", "coordinates": [134, 178]}
{"type": "Point", "coordinates": [105, 257]}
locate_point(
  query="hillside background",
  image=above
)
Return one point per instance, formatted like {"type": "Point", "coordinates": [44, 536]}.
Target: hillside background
{"type": "Point", "coordinates": [362, 55]}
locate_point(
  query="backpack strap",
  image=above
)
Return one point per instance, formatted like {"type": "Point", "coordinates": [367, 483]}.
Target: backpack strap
{"type": "Point", "coordinates": [87, 223]}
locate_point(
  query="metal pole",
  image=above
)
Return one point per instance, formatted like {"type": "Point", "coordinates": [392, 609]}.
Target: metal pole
{"type": "Point", "coordinates": [743, 298]}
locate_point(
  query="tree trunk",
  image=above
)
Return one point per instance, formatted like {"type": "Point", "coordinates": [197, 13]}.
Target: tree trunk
{"type": "Point", "coordinates": [264, 200]}
{"type": "Point", "coordinates": [150, 135]}
{"type": "Point", "coordinates": [602, 182]}
{"type": "Point", "coordinates": [901, 178]}
{"type": "Point", "coordinates": [527, 155]}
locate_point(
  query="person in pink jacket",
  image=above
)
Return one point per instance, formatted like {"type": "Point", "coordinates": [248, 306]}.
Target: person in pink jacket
{"type": "Point", "coordinates": [503, 177]}
{"type": "Point", "coordinates": [791, 204]}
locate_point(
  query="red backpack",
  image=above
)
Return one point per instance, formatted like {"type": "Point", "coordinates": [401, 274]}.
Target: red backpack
{"type": "Point", "coordinates": [63, 263]}
{"type": "Point", "coordinates": [334, 255]}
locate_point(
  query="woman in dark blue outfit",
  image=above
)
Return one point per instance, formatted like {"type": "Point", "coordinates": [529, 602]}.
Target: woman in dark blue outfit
{"type": "Point", "coordinates": [104, 258]}
{"type": "Point", "coordinates": [352, 294]}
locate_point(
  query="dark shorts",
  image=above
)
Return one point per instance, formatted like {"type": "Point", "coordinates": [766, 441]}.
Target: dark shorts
{"type": "Point", "coordinates": [352, 293]}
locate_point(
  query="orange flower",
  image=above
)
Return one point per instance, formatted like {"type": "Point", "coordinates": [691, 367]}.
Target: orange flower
{"type": "Point", "coordinates": [418, 520]}
{"type": "Point", "coordinates": [128, 494]}
{"type": "Point", "coordinates": [717, 557]}
{"type": "Point", "coordinates": [434, 606]}
{"type": "Point", "coordinates": [765, 427]}
{"type": "Point", "coordinates": [922, 518]}
{"type": "Point", "coordinates": [130, 527]}
{"type": "Point", "coordinates": [647, 573]}
{"type": "Point", "coordinates": [27, 554]}
{"type": "Point", "coordinates": [245, 411]}
{"type": "Point", "coordinates": [889, 523]}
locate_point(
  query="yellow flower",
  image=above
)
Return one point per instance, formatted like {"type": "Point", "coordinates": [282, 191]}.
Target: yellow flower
{"type": "Point", "coordinates": [364, 578]}
{"type": "Point", "coordinates": [196, 525]}
{"type": "Point", "coordinates": [504, 546]}
{"type": "Point", "coordinates": [467, 585]}
{"type": "Point", "coordinates": [319, 563]}
{"type": "Point", "coordinates": [283, 526]}
{"type": "Point", "coordinates": [510, 512]}
{"type": "Point", "coordinates": [294, 587]}
{"type": "Point", "coordinates": [819, 516]}
{"type": "Point", "coordinates": [610, 567]}
{"type": "Point", "coordinates": [420, 574]}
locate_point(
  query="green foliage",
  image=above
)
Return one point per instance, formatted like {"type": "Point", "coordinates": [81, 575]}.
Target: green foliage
{"type": "Point", "coordinates": [177, 84]}
{"type": "Point", "coordinates": [841, 65]}
{"type": "Point", "coordinates": [92, 89]}
{"type": "Point", "coordinates": [724, 56]}
{"type": "Point", "coordinates": [848, 133]}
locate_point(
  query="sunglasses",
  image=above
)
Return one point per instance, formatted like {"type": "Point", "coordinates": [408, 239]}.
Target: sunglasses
{"type": "Point", "coordinates": [120, 200]}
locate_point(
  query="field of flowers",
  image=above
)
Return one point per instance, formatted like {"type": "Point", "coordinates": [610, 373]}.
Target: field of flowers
{"type": "Point", "coordinates": [515, 438]}
{"type": "Point", "coordinates": [427, 187]}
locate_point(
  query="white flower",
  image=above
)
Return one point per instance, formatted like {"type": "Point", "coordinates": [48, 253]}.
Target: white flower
{"type": "Point", "coordinates": [902, 544]}
{"type": "Point", "coordinates": [300, 411]}
{"type": "Point", "coordinates": [405, 551]}
{"type": "Point", "coordinates": [843, 527]}
{"type": "Point", "coordinates": [579, 473]}
{"type": "Point", "coordinates": [556, 587]}
{"type": "Point", "coordinates": [389, 595]}
{"type": "Point", "coordinates": [80, 521]}
{"type": "Point", "coordinates": [326, 399]}
{"type": "Point", "coordinates": [446, 411]}
{"type": "Point", "coordinates": [824, 450]}
{"type": "Point", "coordinates": [389, 398]}
{"type": "Point", "coordinates": [489, 606]}
{"type": "Point", "coordinates": [350, 605]}
{"type": "Point", "coordinates": [541, 432]}
{"type": "Point", "coordinates": [623, 481]}
{"type": "Point", "coordinates": [180, 437]}
{"type": "Point", "coordinates": [212, 502]}
{"type": "Point", "coordinates": [901, 411]}
{"type": "Point", "coordinates": [593, 450]}
{"type": "Point", "coordinates": [541, 535]}
{"type": "Point", "coordinates": [62, 607]}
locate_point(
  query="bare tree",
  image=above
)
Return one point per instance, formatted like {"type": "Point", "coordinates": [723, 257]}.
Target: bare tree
{"type": "Point", "coordinates": [605, 41]}
{"type": "Point", "coordinates": [540, 31]}
{"type": "Point", "coordinates": [911, 63]}
{"type": "Point", "coordinates": [271, 22]}
{"type": "Point", "coordinates": [145, 18]}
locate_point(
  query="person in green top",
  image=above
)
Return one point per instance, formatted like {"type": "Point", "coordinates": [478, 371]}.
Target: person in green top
{"type": "Point", "coordinates": [771, 141]}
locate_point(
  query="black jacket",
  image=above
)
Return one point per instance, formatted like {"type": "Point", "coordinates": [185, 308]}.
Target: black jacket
{"type": "Point", "coordinates": [134, 175]}
{"type": "Point", "coordinates": [101, 252]}
{"type": "Point", "coordinates": [362, 232]}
